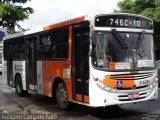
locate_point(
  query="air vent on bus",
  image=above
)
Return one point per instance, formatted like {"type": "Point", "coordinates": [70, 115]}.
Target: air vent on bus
{"type": "Point", "coordinates": [125, 97]}
{"type": "Point", "coordinates": [131, 76]}
{"type": "Point", "coordinates": [140, 87]}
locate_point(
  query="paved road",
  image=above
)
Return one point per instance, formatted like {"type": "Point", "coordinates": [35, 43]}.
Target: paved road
{"type": "Point", "coordinates": [37, 104]}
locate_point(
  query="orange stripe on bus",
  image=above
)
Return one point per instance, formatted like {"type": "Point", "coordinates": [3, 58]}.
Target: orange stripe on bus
{"type": "Point", "coordinates": [70, 43]}
{"type": "Point", "coordinates": [49, 74]}
{"type": "Point", "coordinates": [78, 97]}
{"type": "Point", "coordinates": [65, 23]}
{"type": "Point", "coordinates": [113, 83]}
{"type": "Point", "coordinates": [69, 82]}
{"type": "Point", "coordinates": [110, 82]}
{"type": "Point", "coordinates": [86, 99]}
{"type": "Point", "coordinates": [69, 89]}
{"type": "Point", "coordinates": [128, 83]}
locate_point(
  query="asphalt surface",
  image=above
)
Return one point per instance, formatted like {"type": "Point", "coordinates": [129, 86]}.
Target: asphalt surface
{"type": "Point", "coordinates": [36, 104]}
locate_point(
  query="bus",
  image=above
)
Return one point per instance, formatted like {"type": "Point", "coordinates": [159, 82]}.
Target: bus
{"type": "Point", "coordinates": [93, 60]}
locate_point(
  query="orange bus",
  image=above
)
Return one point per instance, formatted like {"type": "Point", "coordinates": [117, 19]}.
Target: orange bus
{"type": "Point", "coordinates": [97, 60]}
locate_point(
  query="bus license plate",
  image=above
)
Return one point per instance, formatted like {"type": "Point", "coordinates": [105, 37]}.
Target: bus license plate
{"type": "Point", "coordinates": [133, 95]}
{"type": "Point", "coordinates": [144, 82]}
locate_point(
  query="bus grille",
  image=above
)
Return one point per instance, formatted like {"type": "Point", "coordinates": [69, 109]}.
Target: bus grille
{"type": "Point", "coordinates": [132, 99]}
{"type": "Point", "coordinates": [132, 76]}
{"type": "Point", "coordinates": [125, 97]}
{"type": "Point", "coordinates": [140, 87]}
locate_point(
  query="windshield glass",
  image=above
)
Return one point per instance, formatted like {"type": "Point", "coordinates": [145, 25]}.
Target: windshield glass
{"type": "Point", "coordinates": [122, 51]}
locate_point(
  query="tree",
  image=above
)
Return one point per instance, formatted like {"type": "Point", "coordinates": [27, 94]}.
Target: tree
{"type": "Point", "coordinates": [148, 8]}
{"type": "Point", "coordinates": [11, 12]}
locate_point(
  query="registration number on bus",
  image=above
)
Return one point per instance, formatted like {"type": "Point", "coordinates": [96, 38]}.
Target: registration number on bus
{"type": "Point", "coordinates": [144, 82]}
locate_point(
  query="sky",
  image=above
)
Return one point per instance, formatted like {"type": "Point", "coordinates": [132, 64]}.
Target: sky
{"type": "Point", "coordinates": [48, 12]}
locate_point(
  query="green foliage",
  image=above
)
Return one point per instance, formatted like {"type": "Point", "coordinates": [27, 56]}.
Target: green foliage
{"type": "Point", "coordinates": [144, 7]}
{"type": "Point", "coordinates": [11, 12]}
{"type": "Point", "coordinates": [126, 6]}
{"type": "Point", "coordinates": [148, 8]}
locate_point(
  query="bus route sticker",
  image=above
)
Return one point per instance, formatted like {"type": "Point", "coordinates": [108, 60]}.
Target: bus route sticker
{"type": "Point", "coordinates": [122, 66]}
{"type": "Point", "coordinates": [145, 63]}
{"type": "Point", "coordinates": [119, 65]}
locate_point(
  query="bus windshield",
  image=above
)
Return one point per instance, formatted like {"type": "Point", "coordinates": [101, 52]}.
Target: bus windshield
{"type": "Point", "coordinates": [115, 51]}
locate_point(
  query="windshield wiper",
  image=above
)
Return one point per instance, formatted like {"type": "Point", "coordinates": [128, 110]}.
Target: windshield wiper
{"type": "Point", "coordinates": [140, 40]}
{"type": "Point", "coordinates": [119, 38]}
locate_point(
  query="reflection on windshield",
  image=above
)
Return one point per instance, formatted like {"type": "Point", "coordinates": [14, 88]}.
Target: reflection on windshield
{"type": "Point", "coordinates": [122, 51]}
{"type": "Point", "coordinates": [140, 39]}
{"type": "Point", "coordinates": [119, 39]}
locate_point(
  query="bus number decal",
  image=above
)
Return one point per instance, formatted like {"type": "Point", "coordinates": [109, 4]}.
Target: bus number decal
{"type": "Point", "coordinates": [144, 82]}
{"type": "Point", "coordinates": [125, 23]}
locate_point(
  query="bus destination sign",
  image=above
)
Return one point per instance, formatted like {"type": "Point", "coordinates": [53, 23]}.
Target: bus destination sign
{"type": "Point", "coordinates": [123, 21]}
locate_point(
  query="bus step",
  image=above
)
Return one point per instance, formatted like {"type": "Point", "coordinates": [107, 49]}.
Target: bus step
{"type": "Point", "coordinates": [32, 92]}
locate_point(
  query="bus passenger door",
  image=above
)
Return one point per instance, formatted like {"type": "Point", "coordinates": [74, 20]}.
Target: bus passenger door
{"type": "Point", "coordinates": [10, 64]}
{"type": "Point", "coordinates": [80, 62]}
{"type": "Point", "coordinates": [31, 80]}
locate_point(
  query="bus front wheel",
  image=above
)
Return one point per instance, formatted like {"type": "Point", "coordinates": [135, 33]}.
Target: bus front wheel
{"type": "Point", "coordinates": [61, 96]}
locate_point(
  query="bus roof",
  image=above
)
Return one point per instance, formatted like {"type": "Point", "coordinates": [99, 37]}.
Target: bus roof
{"type": "Point", "coordinates": [67, 22]}
{"type": "Point", "coordinates": [61, 24]}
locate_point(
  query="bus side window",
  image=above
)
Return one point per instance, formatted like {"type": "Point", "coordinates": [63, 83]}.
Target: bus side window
{"type": "Point", "coordinates": [19, 49]}
{"type": "Point", "coordinates": [59, 43]}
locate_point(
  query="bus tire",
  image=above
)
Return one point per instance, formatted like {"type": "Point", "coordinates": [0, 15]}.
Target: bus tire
{"type": "Point", "coordinates": [61, 96]}
{"type": "Point", "coordinates": [18, 87]}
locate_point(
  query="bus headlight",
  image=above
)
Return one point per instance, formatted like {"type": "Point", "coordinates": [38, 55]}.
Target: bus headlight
{"type": "Point", "coordinates": [105, 87]}
{"type": "Point", "coordinates": [153, 85]}
{"type": "Point", "coordinates": [156, 79]}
